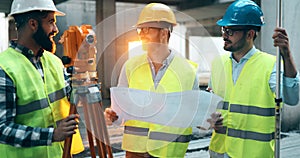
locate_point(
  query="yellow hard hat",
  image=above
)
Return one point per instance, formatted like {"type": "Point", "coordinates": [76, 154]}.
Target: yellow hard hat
{"type": "Point", "coordinates": [156, 12]}
{"type": "Point", "coordinates": [23, 6]}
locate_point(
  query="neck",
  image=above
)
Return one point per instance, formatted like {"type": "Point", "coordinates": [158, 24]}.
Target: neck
{"type": "Point", "coordinates": [238, 55]}
{"type": "Point", "coordinates": [158, 54]}
{"type": "Point", "coordinates": [28, 42]}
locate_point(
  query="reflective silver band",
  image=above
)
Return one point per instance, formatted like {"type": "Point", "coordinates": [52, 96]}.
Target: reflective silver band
{"type": "Point", "coordinates": [223, 106]}
{"type": "Point", "coordinates": [139, 131]}
{"type": "Point", "coordinates": [57, 95]}
{"type": "Point", "coordinates": [264, 137]}
{"type": "Point", "coordinates": [243, 109]}
{"type": "Point", "coordinates": [136, 131]}
{"type": "Point", "coordinates": [41, 104]}
{"type": "Point", "coordinates": [170, 137]}
{"type": "Point", "coordinates": [33, 106]}
{"type": "Point", "coordinates": [252, 110]}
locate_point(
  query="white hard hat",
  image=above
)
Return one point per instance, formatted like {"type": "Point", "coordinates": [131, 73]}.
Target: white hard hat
{"type": "Point", "coordinates": [23, 6]}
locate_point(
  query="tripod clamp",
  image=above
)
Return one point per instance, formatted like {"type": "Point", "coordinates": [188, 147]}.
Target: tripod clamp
{"type": "Point", "coordinates": [92, 93]}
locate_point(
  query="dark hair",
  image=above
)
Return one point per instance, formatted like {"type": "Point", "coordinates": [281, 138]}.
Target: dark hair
{"type": "Point", "coordinates": [250, 27]}
{"type": "Point", "coordinates": [22, 19]}
{"type": "Point", "coordinates": [255, 28]}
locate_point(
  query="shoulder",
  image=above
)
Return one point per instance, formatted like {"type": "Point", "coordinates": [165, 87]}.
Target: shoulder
{"type": "Point", "coordinates": [5, 52]}
{"type": "Point", "coordinates": [136, 61]}
{"type": "Point", "coordinates": [265, 56]}
{"type": "Point", "coordinates": [51, 56]}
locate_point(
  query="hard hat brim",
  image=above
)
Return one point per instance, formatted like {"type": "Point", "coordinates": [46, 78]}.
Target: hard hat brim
{"type": "Point", "coordinates": [222, 23]}
{"type": "Point", "coordinates": [57, 13]}
{"type": "Point", "coordinates": [160, 24]}
{"type": "Point", "coordinates": [60, 13]}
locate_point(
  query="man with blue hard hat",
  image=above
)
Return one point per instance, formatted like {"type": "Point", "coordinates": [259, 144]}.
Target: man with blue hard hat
{"type": "Point", "coordinates": [246, 79]}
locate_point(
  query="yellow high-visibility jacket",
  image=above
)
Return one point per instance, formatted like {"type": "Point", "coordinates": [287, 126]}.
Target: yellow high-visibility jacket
{"type": "Point", "coordinates": [248, 110]}
{"type": "Point", "coordinates": [40, 103]}
{"type": "Point", "coordinates": [158, 140]}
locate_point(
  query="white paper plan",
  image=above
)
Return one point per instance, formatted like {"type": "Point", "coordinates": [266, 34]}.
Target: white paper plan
{"type": "Point", "coordinates": [180, 109]}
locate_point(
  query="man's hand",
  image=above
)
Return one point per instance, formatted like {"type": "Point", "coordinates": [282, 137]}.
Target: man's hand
{"type": "Point", "coordinates": [66, 128]}
{"type": "Point", "coordinates": [216, 121]}
{"type": "Point", "coordinates": [110, 116]}
{"type": "Point", "coordinates": [281, 40]}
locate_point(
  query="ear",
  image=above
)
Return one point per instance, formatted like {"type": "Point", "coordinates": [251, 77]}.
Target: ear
{"type": "Point", "coordinates": [164, 34]}
{"type": "Point", "coordinates": [33, 24]}
{"type": "Point", "coordinates": [251, 34]}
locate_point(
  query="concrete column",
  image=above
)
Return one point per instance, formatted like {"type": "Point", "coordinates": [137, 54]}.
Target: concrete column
{"type": "Point", "coordinates": [291, 21]}
{"type": "Point", "coordinates": [8, 31]}
{"type": "Point", "coordinates": [106, 32]}
{"type": "Point", "coordinates": [187, 44]}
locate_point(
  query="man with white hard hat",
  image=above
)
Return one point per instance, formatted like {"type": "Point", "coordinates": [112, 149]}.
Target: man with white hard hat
{"type": "Point", "coordinates": [34, 116]}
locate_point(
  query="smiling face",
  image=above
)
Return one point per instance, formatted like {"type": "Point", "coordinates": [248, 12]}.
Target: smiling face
{"type": "Point", "coordinates": [47, 29]}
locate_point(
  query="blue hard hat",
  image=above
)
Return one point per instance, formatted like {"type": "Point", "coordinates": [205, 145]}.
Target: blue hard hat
{"type": "Point", "coordinates": [242, 12]}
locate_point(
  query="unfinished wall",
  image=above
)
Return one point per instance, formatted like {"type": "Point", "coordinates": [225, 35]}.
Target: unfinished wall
{"type": "Point", "coordinates": [290, 21]}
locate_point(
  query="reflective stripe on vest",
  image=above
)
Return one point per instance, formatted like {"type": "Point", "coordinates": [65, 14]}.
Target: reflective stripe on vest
{"type": "Point", "coordinates": [158, 140]}
{"type": "Point", "coordinates": [248, 108]}
{"type": "Point", "coordinates": [41, 104]}
{"type": "Point", "coordinates": [57, 95]}
{"type": "Point", "coordinates": [136, 131]}
{"type": "Point", "coordinates": [250, 135]}
{"type": "Point", "coordinates": [33, 106]}
{"type": "Point", "coordinates": [223, 106]}
{"type": "Point", "coordinates": [157, 135]}
{"type": "Point", "coordinates": [170, 137]}
{"type": "Point", "coordinates": [252, 110]}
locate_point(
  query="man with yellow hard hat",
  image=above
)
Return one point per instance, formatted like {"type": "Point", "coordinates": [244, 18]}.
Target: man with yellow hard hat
{"type": "Point", "coordinates": [160, 70]}
{"type": "Point", "coordinates": [34, 117]}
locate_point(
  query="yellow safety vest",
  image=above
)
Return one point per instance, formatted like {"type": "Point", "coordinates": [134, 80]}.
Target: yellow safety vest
{"type": "Point", "coordinates": [40, 103]}
{"type": "Point", "coordinates": [158, 140]}
{"type": "Point", "coordinates": [248, 109]}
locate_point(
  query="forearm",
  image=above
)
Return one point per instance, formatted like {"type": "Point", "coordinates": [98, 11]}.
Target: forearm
{"type": "Point", "coordinates": [289, 66]}
{"type": "Point", "coordinates": [23, 136]}
{"type": "Point", "coordinates": [290, 90]}
{"type": "Point", "coordinates": [289, 87]}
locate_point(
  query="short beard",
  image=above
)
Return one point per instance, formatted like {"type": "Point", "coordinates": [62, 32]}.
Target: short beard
{"type": "Point", "coordinates": [44, 40]}
{"type": "Point", "coordinates": [237, 46]}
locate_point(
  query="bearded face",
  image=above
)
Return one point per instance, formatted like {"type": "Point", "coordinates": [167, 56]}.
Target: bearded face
{"type": "Point", "coordinates": [43, 39]}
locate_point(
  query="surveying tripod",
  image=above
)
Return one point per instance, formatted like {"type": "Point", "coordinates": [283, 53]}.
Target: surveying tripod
{"type": "Point", "coordinates": [79, 46]}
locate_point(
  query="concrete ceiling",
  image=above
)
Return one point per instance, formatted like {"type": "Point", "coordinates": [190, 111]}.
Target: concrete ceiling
{"type": "Point", "coordinates": [181, 4]}
{"type": "Point", "coordinates": [205, 12]}
{"type": "Point", "coordinates": [6, 4]}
